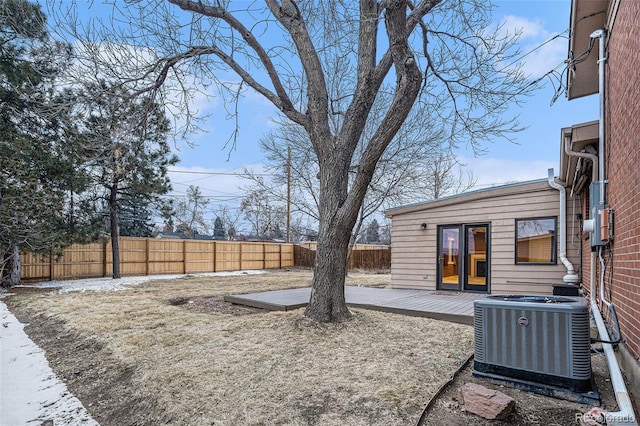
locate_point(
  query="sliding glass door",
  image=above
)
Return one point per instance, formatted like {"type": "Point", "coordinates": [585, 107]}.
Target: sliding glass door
{"type": "Point", "coordinates": [448, 258]}
{"type": "Point", "coordinates": [463, 257]}
{"type": "Point", "coordinates": [476, 257]}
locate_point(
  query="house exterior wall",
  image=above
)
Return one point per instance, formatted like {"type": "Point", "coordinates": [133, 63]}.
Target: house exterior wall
{"type": "Point", "coordinates": [414, 250]}
{"type": "Point", "coordinates": [623, 167]}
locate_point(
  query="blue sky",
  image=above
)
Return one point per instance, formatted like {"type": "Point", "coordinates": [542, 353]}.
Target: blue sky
{"type": "Point", "coordinates": [534, 150]}
{"type": "Point", "coordinates": [538, 147]}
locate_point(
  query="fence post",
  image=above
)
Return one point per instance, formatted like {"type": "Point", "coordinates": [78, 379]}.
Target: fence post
{"type": "Point", "coordinates": [184, 257]}
{"type": "Point", "coordinates": [104, 259]}
{"type": "Point", "coordinates": [51, 271]}
{"type": "Point", "coordinates": [240, 256]}
{"type": "Point", "coordinates": [214, 257]}
{"type": "Point", "coordinates": [146, 257]}
{"type": "Point", "coordinates": [264, 255]}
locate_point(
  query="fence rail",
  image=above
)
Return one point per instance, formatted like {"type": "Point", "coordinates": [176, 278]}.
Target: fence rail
{"type": "Point", "coordinates": [158, 256]}
{"type": "Point", "coordinates": [153, 256]}
{"type": "Point", "coordinates": [375, 259]}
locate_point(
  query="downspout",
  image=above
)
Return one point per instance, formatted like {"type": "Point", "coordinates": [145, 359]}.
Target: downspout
{"type": "Point", "coordinates": [571, 277]}
{"type": "Point", "coordinates": [626, 415]}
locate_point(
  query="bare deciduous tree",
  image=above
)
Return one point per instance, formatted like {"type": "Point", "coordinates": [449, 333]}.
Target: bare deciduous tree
{"type": "Point", "coordinates": [445, 176]}
{"type": "Point", "coordinates": [430, 53]}
{"type": "Point", "coordinates": [231, 219]}
{"type": "Point", "coordinates": [417, 165]}
{"type": "Point", "coordinates": [266, 217]}
{"type": "Point", "coordinates": [189, 213]}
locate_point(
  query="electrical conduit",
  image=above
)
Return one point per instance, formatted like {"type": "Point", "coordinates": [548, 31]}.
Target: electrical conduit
{"type": "Point", "coordinates": [625, 415]}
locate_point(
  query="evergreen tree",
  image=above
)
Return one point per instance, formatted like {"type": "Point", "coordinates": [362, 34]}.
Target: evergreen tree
{"type": "Point", "coordinates": [372, 234]}
{"type": "Point", "coordinates": [39, 171]}
{"type": "Point", "coordinates": [218, 228]}
{"type": "Point", "coordinates": [135, 216]}
{"type": "Point", "coordinates": [126, 139]}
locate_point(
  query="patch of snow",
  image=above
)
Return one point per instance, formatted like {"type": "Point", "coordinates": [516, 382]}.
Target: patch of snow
{"type": "Point", "coordinates": [114, 284]}
{"type": "Point", "coordinates": [30, 392]}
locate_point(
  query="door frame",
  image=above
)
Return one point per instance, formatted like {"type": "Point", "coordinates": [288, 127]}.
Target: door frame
{"type": "Point", "coordinates": [440, 255]}
{"type": "Point", "coordinates": [466, 286]}
{"type": "Point", "coordinates": [463, 258]}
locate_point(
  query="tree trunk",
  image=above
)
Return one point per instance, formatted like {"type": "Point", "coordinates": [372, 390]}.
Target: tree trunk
{"type": "Point", "coordinates": [113, 219]}
{"type": "Point", "coordinates": [327, 302]}
{"type": "Point", "coordinates": [14, 277]}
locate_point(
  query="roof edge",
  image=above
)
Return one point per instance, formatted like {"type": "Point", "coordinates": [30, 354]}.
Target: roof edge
{"type": "Point", "coordinates": [492, 192]}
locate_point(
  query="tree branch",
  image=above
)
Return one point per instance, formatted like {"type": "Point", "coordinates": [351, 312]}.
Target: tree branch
{"type": "Point", "coordinates": [408, 79]}
{"type": "Point", "coordinates": [367, 39]}
{"type": "Point", "coordinates": [359, 109]}
{"type": "Point", "coordinates": [288, 15]}
{"type": "Point", "coordinates": [284, 103]}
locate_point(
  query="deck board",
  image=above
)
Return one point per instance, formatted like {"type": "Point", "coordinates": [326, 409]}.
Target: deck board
{"type": "Point", "coordinates": [454, 307]}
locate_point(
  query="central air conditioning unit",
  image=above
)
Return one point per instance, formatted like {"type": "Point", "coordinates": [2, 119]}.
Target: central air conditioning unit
{"type": "Point", "coordinates": [539, 340]}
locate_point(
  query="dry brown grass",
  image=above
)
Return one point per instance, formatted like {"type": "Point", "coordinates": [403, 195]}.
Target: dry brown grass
{"type": "Point", "coordinates": [202, 366]}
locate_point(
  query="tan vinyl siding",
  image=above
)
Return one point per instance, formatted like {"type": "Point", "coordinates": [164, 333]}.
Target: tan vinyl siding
{"type": "Point", "coordinates": [413, 261]}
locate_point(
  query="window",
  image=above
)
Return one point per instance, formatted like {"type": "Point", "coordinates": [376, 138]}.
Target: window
{"type": "Point", "coordinates": [536, 240]}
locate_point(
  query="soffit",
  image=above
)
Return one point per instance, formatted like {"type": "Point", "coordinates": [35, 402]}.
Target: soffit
{"type": "Point", "coordinates": [580, 137]}
{"type": "Point", "coordinates": [586, 17]}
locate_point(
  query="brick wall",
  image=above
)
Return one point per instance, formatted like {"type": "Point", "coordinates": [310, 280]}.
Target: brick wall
{"type": "Point", "coordinates": [623, 168]}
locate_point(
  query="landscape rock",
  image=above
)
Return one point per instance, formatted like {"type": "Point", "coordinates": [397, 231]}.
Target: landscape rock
{"type": "Point", "coordinates": [593, 417]}
{"type": "Point", "coordinates": [485, 402]}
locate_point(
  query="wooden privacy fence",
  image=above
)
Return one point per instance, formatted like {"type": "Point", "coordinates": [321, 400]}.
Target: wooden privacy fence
{"type": "Point", "coordinates": [154, 256]}
{"type": "Point", "coordinates": [374, 259]}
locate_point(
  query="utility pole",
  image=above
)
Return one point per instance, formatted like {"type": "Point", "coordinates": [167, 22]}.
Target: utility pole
{"type": "Point", "coordinates": [288, 194]}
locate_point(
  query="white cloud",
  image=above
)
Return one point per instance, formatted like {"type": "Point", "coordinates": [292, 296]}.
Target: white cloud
{"type": "Point", "coordinates": [546, 58]}
{"type": "Point", "coordinates": [496, 171]}
{"type": "Point", "coordinates": [526, 27]}
{"type": "Point", "coordinates": [539, 50]}
{"type": "Point", "coordinates": [219, 185]}
{"type": "Point", "coordinates": [223, 188]}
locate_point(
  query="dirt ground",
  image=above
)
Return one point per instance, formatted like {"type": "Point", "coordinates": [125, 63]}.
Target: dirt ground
{"type": "Point", "coordinates": [530, 408]}
{"type": "Point", "coordinates": [175, 353]}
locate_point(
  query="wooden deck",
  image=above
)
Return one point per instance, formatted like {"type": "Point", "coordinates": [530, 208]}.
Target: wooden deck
{"type": "Point", "coordinates": [453, 307]}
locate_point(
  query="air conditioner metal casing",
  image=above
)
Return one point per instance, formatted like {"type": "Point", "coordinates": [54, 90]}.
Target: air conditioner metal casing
{"type": "Point", "coordinates": [539, 339]}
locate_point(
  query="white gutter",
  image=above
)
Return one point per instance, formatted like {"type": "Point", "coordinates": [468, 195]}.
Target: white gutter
{"type": "Point", "coordinates": [571, 276]}
{"type": "Point", "coordinates": [626, 415]}
{"type": "Point", "coordinates": [586, 155]}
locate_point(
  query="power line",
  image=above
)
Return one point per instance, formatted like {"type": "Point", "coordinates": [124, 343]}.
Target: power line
{"type": "Point", "coordinates": [208, 197]}
{"type": "Point", "coordinates": [534, 49]}
{"type": "Point", "coordinates": [216, 173]}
